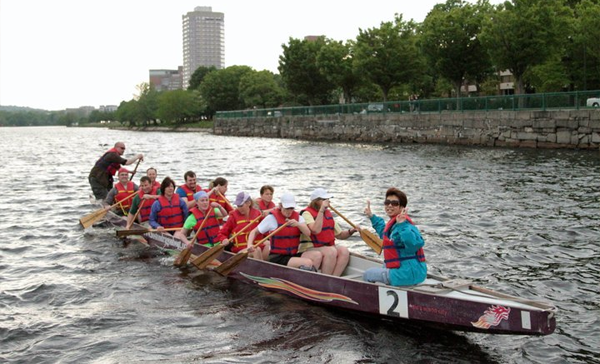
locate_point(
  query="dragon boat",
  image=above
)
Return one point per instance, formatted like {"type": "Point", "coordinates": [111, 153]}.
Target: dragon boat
{"type": "Point", "coordinates": [444, 303]}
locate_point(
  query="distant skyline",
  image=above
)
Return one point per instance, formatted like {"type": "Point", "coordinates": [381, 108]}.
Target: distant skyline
{"type": "Point", "coordinates": [67, 53]}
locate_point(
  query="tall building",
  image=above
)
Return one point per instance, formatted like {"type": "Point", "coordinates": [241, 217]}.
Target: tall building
{"type": "Point", "coordinates": [167, 80]}
{"type": "Point", "coordinates": [203, 41]}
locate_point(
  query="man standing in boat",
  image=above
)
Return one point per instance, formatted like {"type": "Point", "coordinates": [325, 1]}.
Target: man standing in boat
{"type": "Point", "coordinates": [101, 175]}
{"type": "Point", "coordinates": [404, 259]}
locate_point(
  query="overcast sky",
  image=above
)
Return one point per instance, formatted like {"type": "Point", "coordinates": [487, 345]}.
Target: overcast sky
{"type": "Point", "coordinates": [57, 54]}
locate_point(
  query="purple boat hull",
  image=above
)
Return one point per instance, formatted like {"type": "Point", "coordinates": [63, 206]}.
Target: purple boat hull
{"type": "Point", "coordinates": [441, 302]}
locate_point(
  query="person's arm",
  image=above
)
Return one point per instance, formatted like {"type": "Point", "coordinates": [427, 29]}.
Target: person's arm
{"type": "Point", "coordinates": [218, 209]}
{"type": "Point", "coordinates": [133, 159]}
{"type": "Point", "coordinates": [110, 198]}
{"type": "Point", "coordinates": [184, 208]}
{"type": "Point", "coordinates": [343, 234]}
{"type": "Point", "coordinates": [155, 209]}
{"type": "Point", "coordinates": [182, 235]}
{"type": "Point", "coordinates": [225, 231]}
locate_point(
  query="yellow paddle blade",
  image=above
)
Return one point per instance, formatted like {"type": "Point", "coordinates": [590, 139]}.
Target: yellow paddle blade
{"type": "Point", "coordinates": [204, 259]}
{"type": "Point", "coordinates": [230, 264]}
{"type": "Point", "coordinates": [372, 240]}
{"type": "Point", "coordinates": [90, 219]}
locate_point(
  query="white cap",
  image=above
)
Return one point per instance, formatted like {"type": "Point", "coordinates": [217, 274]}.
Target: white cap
{"type": "Point", "coordinates": [287, 200]}
{"type": "Point", "coordinates": [320, 193]}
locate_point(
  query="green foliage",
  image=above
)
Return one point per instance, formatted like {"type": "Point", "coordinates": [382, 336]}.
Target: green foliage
{"type": "Point", "coordinates": [525, 33]}
{"type": "Point", "coordinates": [260, 89]}
{"type": "Point", "coordinates": [388, 55]}
{"type": "Point", "coordinates": [301, 74]}
{"type": "Point", "coordinates": [198, 76]}
{"type": "Point", "coordinates": [336, 62]}
{"type": "Point", "coordinates": [221, 89]}
{"type": "Point", "coordinates": [450, 41]}
{"type": "Point", "coordinates": [179, 106]}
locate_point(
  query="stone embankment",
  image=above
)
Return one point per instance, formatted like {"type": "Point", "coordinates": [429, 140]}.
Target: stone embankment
{"type": "Point", "coordinates": [573, 129]}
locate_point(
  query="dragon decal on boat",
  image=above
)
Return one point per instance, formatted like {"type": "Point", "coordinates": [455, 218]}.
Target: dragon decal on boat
{"type": "Point", "coordinates": [298, 290]}
{"type": "Point", "coordinates": [492, 317]}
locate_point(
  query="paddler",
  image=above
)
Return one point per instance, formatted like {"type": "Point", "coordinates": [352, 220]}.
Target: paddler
{"type": "Point", "coordinates": [101, 175]}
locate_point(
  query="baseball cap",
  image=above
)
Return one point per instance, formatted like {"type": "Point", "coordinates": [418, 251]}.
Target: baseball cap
{"type": "Point", "coordinates": [320, 193]}
{"type": "Point", "coordinates": [241, 198]}
{"type": "Point", "coordinates": [287, 200]}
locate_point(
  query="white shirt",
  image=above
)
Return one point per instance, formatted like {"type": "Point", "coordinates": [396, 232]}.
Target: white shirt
{"type": "Point", "coordinates": [270, 224]}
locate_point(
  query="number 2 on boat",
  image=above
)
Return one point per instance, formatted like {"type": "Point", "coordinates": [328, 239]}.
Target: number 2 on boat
{"type": "Point", "coordinates": [393, 302]}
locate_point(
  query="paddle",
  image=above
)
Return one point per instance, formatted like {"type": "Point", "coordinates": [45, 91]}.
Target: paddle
{"type": "Point", "coordinates": [136, 215]}
{"type": "Point", "coordinates": [184, 256]}
{"type": "Point", "coordinates": [90, 219]}
{"type": "Point", "coordinates": [126, 232]}
{"type": "Point", "coordinates": [226, 200]}
{"type": "Point", "coordinates": [208, 256]}
{"type": "Point", "coordinates": [368, 237]}
{"type": "Point", "coordinates": [231, 263]}
{"type": "Point", "coordinates": [135, 169]}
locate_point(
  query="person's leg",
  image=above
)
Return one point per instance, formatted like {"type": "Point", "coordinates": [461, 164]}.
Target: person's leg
{"type": "Point", "coordinates": [343, 256]}
{"type": "Point", "coordinates": [100, 192]}
{"type": "Point", "coordinates": [315, 256]}
{"type": "Point", "coordinates": [377, 275]}
{"type": "Point", "coordinates": [328, 254]}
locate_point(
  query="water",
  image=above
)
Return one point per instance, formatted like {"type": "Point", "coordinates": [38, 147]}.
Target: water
{"type": "Point", "coordinates": [525, 222]}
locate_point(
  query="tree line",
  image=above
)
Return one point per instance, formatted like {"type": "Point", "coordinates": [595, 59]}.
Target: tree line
{"type": "Point", "coordinates": [547, 45]}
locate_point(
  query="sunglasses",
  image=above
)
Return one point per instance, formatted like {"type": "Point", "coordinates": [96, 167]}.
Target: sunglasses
{"type": "Point", "coordinates": [392, 202]}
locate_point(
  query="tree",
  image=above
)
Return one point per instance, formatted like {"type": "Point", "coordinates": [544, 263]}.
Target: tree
{"type": "Point", "coordinates": [388, 55]}
{"type": "Point", "coordinates": [300, 73]}
{"type": "Point", "coordinates": [259, 88]}
{"type": "Point", "coordinates": [179, 105]}
{"type": "Point", "coordinates": [198, 76]}
{"type": "Point", "coordinates": [524, 33]}
{"type": "Point", "coordinates": [450, 41]}
{"type": "Point", "coordinates": [336, 62]}
{"type": "Point", "coordinates": [221, 89]}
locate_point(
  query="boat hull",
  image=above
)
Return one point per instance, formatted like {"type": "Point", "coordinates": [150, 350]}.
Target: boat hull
{"type": "Point", "coordinates": [467, 308]}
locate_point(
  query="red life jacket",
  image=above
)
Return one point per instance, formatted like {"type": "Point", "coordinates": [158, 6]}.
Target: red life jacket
{"type": "Point", "coordinates": [240, 221]}
{"type": "Point", "coordinates": [189, 193]}
{"type": "Point", "coordinates": [156, 185]}
{"type": "Point", "coordinates": [210, 229]}
{"type": "Point", "coordinates": [122, 194]}
{"type": "Point", "coordinates": [170, 214]}
{"type": "Point", "coordinates": [391, 253]}
{"type": "Point", "coordinates": [216, 197]}
{"type": "Point", "coordinates": [262, 205]}
{"type": "Point", "coordinates": [286, 241]}
{"type": "Point", "coordinates": [145, 206]}
{"type": "Point", "coordinates": [110, 168]}
{"type": "Point", "coordinates": [327, 235]}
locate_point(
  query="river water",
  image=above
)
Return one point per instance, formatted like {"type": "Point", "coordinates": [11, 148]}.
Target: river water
{"type": "Point", "coordinates": [525, 222]}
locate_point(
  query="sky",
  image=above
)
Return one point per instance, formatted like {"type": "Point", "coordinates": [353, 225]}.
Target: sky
{"type": "Point", "coordinates": [58, 54]}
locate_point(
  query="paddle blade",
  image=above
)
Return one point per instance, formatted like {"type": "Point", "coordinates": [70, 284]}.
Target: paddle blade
{"type": "Point", "coordinates": [122, 233]}
{"type": "Point", "coordinates": [204, 259]}
{"type": "Point", "coordinates": [230, 264]}
{"type": "Point", "coordinates": [90, 219]}
{"type": "Point", "coordinates": [183, 257]}
{"type": "Point", "coordinates": [372, 240]}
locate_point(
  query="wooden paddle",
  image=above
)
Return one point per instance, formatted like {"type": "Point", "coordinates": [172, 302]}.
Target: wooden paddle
{"type": "Point", "coordinates": [204, 259]}
{"type": "Point", "coordinates": [368, 237]}
{"type": "Point", "coordinates": [90, 219]}
{"type": "Point", "coordinates": [226, 200]}
{"type": "Point", "coordinates": [136, 214]}
{"type": "Point", "coordinates": [231, 263]}
{"type": "Point", "coordinates": [125, 232]}
{"type": "Point", "coordinates": [184, 256]}
{"type": "Point", "coordinates": [135, 169]}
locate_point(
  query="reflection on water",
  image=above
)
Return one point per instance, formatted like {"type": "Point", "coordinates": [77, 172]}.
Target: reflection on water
{"type": "Point", "coordinates": [521, 221]}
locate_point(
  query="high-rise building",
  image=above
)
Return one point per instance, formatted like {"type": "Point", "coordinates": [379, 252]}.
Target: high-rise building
{"type": "Point", "coordinates": [166, 80]}
{"type": "Point", "coordinates": [203, 41]}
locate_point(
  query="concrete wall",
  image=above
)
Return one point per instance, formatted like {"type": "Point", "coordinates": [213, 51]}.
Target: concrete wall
{"type": "Point", "coordinates": [530, 129]}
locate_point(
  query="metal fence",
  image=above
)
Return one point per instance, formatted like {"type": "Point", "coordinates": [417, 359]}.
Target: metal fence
{"type": "Point", "coordinates": [545, 101]}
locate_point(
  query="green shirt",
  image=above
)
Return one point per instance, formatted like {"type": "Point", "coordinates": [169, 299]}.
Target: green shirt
{"type": "Point", "coordinates": [136, 203]}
